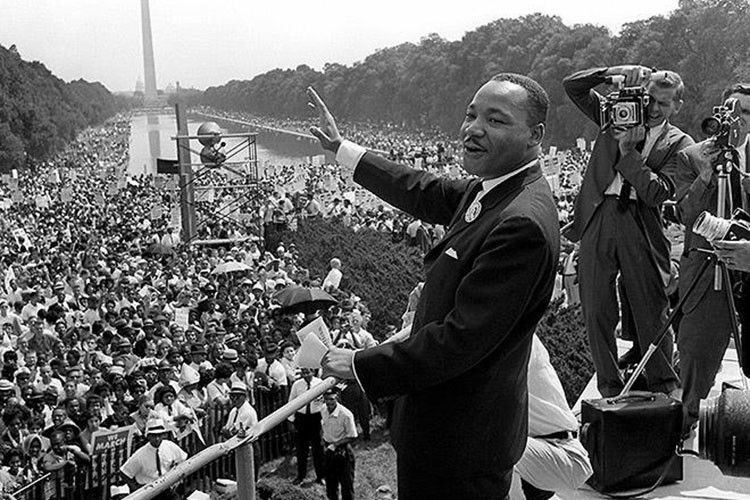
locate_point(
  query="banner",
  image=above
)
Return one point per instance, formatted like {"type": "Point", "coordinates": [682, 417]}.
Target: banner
{"type": "Point", "coordinates": [41, 201]}
{"type": "Point", "coordinates": [103, 440]}
{"type": "Point", "coordinates": [66, 194]}
{"type": "Point", "coordinates": [182, 316]}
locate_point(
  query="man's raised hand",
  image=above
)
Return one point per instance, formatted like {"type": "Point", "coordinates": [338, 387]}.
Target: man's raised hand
{"type": "Point", "coordinates": [327, 132]}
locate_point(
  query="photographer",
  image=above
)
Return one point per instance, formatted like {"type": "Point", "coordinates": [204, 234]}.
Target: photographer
{"type": "Point", "coordinates": [706, 326]}
{"type": "Point", "coordinates": [618, 220]}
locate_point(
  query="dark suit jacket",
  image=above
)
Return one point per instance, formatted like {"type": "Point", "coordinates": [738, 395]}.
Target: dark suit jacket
{"type": "Point", "coordinates": [652, 179]}
{"type": "Point", "coordinates": [693, 197]}
{"type": "Point", "coordinates": [462, 373]}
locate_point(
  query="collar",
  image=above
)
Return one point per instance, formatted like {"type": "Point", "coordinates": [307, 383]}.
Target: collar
{"type": "Point", "coordinates": [335, 412]}
{"type": "Point", "coordinates": [490, 184]}
{"type": "Point", "coordinates": [743, 147]}
{"type": "Point", "coordinates": [657, 130]}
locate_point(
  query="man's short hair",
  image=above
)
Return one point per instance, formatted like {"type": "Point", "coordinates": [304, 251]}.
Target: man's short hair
{"type": "Point", "coordinates": [737, 88]}
{"type": "Point", "coordinates": [666, 79]}
{"type": "Point", "coordinates": [538, 101]}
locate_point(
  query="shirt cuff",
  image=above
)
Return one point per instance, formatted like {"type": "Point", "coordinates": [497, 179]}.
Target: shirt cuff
{"type": "Point", "coordinates": [354, 371]}
{"type": "Point", "coordinates": [349, 154]}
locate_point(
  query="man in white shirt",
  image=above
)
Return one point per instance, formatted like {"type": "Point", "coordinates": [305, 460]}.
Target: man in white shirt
{"type": "Point", "coordinates": [338, 432]}
{"type": "Point", "coordinates": [333, 278]}
{"type": "Point", "coordinates": [554, 458]}
{"type": "Point", "coordinates": [153, 460]}
{"type": "Point", "coordinates": [242, 416]}
{"type": "Point", "coordinates": [307, 427]}
{"type": "Point", "coordinates": [273, 369]}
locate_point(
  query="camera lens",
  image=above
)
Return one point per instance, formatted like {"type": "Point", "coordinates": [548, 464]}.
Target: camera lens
{"type": "Point", "coordinates": [725, 432]}
{"type": "Point", "coordinates": [710, 126]}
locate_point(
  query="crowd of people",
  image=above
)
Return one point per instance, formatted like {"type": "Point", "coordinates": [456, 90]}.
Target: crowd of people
{"type": "Point", "coordinates": [108, 319]}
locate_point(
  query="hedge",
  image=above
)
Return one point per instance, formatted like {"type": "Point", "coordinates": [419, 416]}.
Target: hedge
{"type": "Point", "coordinates": [383, 273]}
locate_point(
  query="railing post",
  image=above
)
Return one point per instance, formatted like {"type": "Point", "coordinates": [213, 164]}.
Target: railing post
{"type": "Point", "coordinates": [245, 466]}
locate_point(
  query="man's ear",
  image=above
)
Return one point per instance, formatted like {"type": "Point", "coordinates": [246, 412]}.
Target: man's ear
{"type": "Point", "coordinates": [537, 135]}
{"type": "Point", "coordinates": [678, 106]}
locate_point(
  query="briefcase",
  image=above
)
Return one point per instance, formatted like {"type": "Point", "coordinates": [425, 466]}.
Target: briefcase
{"type": "Point", "coordinates": [631, 440]}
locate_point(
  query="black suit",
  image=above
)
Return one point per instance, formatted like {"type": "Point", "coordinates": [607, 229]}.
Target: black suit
{"type": "Point", "coordinates": [624, 238]}
{"type": "Point", "coordinates": [460, 424]}
{"type": "Point", "coordinates": [706, 325]}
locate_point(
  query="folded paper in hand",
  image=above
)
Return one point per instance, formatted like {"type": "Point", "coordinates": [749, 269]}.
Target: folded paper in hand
{"type": "Point", "coordinates": [316, 342]}
{"type": "Point", "coordinates": [319, 329]}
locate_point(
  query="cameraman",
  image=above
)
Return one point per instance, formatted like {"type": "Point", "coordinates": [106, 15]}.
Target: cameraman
{"type": "Point", "coordinates": [618, 220]}
{"type": "Point", "coordinates": [705, 328]}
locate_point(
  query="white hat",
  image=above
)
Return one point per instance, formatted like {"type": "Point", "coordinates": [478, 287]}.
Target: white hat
{"type": "Point", "coordinates": [238, 387]}
{"type": "Point", "coordinates": [155, 426]}
{"type": "Point", "coordinates": [119, 490]}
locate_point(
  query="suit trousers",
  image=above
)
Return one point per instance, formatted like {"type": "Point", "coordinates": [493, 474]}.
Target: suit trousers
{"type": "Point", "coordinates": [340, 471]}
{"type": "Point", "coordinates": [703, 339]}
{"type": "Point", "coordinates": [308, 435]}
{"type": "Point", "coordinates": [612, 244]}
{"type": "Point", "coordinates": [417, 482]}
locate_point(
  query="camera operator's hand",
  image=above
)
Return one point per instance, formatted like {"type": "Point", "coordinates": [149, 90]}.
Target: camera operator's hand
{"type": "Point", "coordinates": [629, 137]}
{"type": "Point", "coordinates": [735, 254]}
{"type": "Point", "coordinates": [707, 157]}
{"type": "Point", "coordinates": [327, 133]}
{"type": "Point", "coordinates": [634, 74]}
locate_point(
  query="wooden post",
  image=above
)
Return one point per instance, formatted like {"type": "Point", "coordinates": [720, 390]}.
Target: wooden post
{"type": "Point", "coordinates": [245, 462]}
{"type": "Point", "coordinates": [187, 194]}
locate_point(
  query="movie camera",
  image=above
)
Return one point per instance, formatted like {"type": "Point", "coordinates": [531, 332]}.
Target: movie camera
{"type": "Point", "coordinates": [724, 125]}
{"type": "Point", "coordinates": [625, 107]}
{"type": "Point", "coordinates": [714, 228]}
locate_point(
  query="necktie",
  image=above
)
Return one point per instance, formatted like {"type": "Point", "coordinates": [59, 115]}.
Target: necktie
{"type": "Point", "coordinates": [307, 408]}
{"type": "Point", "coordinates": [624, 197]}
{"type": "Point", "coordinates": [158, 462]}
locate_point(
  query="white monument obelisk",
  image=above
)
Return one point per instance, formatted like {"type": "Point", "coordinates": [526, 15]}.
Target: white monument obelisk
{"type": "Point", "coordinates": [150, 97]}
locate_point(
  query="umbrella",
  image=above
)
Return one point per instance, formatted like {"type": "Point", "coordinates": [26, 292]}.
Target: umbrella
{"type": "Point", "coordinates": [294, 299]}
{"type": "Point", "coordinates": [231, 266]}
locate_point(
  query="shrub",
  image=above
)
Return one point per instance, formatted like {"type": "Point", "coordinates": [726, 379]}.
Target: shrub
{"type": "Point", "coordinates": [564, 335]}
{"type": "Point", "coordinates": [380, 272]}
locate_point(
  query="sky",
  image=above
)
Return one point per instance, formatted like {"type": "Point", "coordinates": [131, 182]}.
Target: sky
{"type": "Point", "coordinates": [209, 42]}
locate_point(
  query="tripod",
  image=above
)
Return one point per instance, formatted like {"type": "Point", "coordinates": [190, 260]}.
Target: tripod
{"type": "Point", "coordinates": [721, 279]}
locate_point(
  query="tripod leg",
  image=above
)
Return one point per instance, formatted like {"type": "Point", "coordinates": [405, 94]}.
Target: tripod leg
{"type": "Point", "coordinates": [733, 322]}
{"type": "Point", "coordinates": [665, 327]}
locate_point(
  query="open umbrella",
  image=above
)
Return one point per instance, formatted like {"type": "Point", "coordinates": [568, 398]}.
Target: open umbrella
{"type": "Point", "coordinates": [295, 299]}
{"type": "Point", "coordinates": [231, 266]}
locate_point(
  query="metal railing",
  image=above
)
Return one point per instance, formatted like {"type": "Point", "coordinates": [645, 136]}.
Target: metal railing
{"type": "Point", "coordinates": [241, 446]}
{"type": "Point", "coordinates": [93, 482]}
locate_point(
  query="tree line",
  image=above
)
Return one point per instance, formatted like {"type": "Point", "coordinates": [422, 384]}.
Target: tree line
{"type": "Point", "coordinates": [429, 84]}
{"type": "Point", "coordinates": [40, 113]}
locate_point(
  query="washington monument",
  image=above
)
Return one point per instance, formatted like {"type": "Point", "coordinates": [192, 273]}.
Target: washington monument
{"type": "Point", "coordinates": [150, 97]}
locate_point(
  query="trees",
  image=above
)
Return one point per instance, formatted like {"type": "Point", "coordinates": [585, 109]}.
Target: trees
{"type": "Point", "coordinates": [39, 112]}
{"type": "Point", "coordinates": [429, 83]}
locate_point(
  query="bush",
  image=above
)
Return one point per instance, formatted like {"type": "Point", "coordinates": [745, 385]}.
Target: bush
{"type": "Point", "coordinates": [383, 273]}
{"type": "Point", "coordinates": [564, 335]}
{"type": "Point", "coordinates": [380, 272]}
